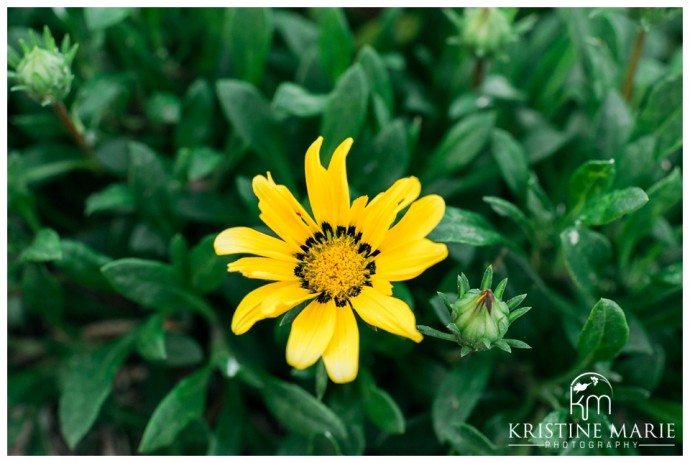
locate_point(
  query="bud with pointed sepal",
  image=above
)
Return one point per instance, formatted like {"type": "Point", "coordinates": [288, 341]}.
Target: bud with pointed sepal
{"type": "Point", "coordinates": [44, 71]}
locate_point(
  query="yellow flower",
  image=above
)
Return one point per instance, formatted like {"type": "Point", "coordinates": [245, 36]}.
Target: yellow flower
{"type": "Point", "coordinates": [343, 258]}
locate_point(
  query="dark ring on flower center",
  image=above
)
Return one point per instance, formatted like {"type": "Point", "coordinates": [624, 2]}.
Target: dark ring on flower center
{"type": "Point", "coordinates": [341, 279]}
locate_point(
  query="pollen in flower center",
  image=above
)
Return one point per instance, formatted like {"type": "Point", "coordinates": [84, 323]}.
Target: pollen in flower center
{"type": "Point", "coordinates": [335, 264]}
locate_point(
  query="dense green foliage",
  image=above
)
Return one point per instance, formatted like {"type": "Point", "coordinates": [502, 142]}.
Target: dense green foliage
{"type": "Point", "coordinates": [553, 172]}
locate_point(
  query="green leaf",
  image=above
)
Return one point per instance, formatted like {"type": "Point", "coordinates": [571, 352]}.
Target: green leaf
{"type": "Point", "coordinates": [559, 415]}
{"type": "Point", "coordinates": [387, 160]}
{"type": "Point", "coordinates": [45, 247]}
{"type": "Point", "coordinates": [292, 100]}
{"type": "Point", "coordinates": [83, 264]}
{"type": "Point", "coordinates": [377, 75]}
{"type": "Point", "coordinates": [227, 434]}
{"type": "Point", "coordinates": [671, 275]}
{"type": "Point", "coordinates": [324, 445]}
{"type": "Point", "coordinates": [43, 294]}
{"type": "Point", "coordinates": [88, 379]}
{"type": "Point", "coordinates": [196, 121]}
{"type": "Point", "coordinates": [163, 108]}
{"type": "Point", "coordinates": [664, 411]}
{"type": "Point", "coordinates": [152, 284]}
{"type": "Point", "coordinates": [182, 350]}
{"type": "Point", "coordinates": [182, 405]}
{"type": "Point", "coordinates": [543, 142]}
{"type": "Point", "coordinates": [102, 18]}
{"type": "Point", "coordinates": [468, 440]}
{"type": "Point", "coordinates": [511, 160]}
{"type": "Point", "coordinates": [321, 380]}
{"type": "Point", "coordinates": [251, 117]}
{"type": "Point", "coordinates": [663, 196]}
{"type": "Point", "coordinates": [151, 339]}
{"type": "Point", "coordinates": [299, 33]}
{"type": "Point", "coordinates": [459, 393]}
{"type": "Point", "coordinates": [614, 125]}
{"type": "Point", "coordinates": [460, 226]}
{"type": "Point", "coordinates": [605, 333]}
{"type": "Point", "coordinates": [345, 110]}
{"type": "Point", "coordinates": [591, 179]}
{"type": "Point", "coordinates": [586, 253]}
{"type": "Point", "coordinates": [511, 211]}
{"type": "Point", "coordinates": [300, 412]}
{"type": "Point", "coordinates": [661, 114]}
{"type": "Point", "coordinates": [115, 197]}
{"type": "Point", "coordinates": [251, 31]}
{"type": "Point", "coordinates": [336, 43]}
{"type": "Point", "coordinates": [383, 411]}
{"type": "Point", "coordinates": [460, 145]}
{"type": "Point", "coordinates": [149, 180]}
{"type": "Point", "coordinates": [206, 269]}
{"type": "Point", "coordinates": [606, 208]}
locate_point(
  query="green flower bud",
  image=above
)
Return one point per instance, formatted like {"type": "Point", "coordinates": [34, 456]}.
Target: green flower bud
{"type": "Point", "coordinates": [481, 318]}
{"type": "Point", "coordinates": [44, 71]}
{"type": "Point", "coordinates": [46, 75]}
{"type": "Point", "coordinates": [485, 31]}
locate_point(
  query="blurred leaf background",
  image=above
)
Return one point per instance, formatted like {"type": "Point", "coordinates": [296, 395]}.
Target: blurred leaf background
{"type": "Point", "coordinates": [119, 311]}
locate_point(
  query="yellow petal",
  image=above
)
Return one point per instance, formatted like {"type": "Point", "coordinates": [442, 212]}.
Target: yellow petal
{"type": "Point", "coordinates": [378, 216]}
{"type": "Point", "coordinates": [250, 309]}
{"type": "Point", "coordinates": [357, 208]}
{"type": "Point", "coordinates": [388, 313]}
{"type": "Point", "coordinates": [288, 297]}
{"type": "Point", "coordinates": [310, 334]}
{"type": "Point", "coordinates": [419, 220]}
{"type": "Point", "coordinates": [244, 240]}
{"type": "Point", "coordinates": [341, 357]}
{"type": "Point", "coordinates": [264, 268]}
{"type": "Point", "coordinates": [337, 184]}
{"type": "Point", "coordinates": [381, 285]}
{"type": "Point", "coordinates": [405, 262]}
{"type": "Point", "coordinates": [317, 184]}
{"type": "Point", "coordinates": [281, 211]}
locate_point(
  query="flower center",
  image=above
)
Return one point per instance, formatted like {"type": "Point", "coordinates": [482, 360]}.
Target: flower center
{"type": "Point", "coordinates": [335, 264]}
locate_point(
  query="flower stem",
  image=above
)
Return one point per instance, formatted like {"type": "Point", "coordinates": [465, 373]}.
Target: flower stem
{"type": "Point", "coordinates": [76, 135]}
{"type": "Point", "coordinates": [478, 75]}
{"type": "Point", "coordinates": [632, 64]}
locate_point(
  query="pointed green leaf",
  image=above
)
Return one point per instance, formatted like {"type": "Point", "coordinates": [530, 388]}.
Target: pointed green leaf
{"type": "Point", "coordinates": [152, 284]}
{"type": "Point", "coordinates": [45, 247]}
{"type": "Point", "coordinates": [586, 253]}
{"type": "Point", "coordinates": [461, 226]}
{"type": "Point", "coordinates": [604, 334]}
{"type": "Point", "coordinates": [151, 339]}
{"type": "Point", "coordinates": [606, 208]}
{"type": "Point", "coordinates": [383, 411]}
{"type": "Point", "coordinates": [253, 120]}
{"type": "Point", "coordinates": [88, 379]}
{"type": "Point", "coordinates": [349, 98]}
{"type": "Point", "coordinates": [468, 440]}
{"type": "Point", "coordinates": [461, 145]}
{"type": "Point", "coordinates": [251, 31]}
{"type": "Point", "coordinates": [299, 411]}
{"type": "Point", "coordinates": [511, 160]}
{"type": "Point", "coordinates": [183, 404]}
{"type": "Point", "coordinates": [459, 393]}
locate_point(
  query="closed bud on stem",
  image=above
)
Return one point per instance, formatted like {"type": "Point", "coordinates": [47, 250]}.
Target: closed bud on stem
{"type": "Point", "coordinates": [481, 318]}
{"type": "Point", "coordinates": [485, 31]}
{"type": "Point", "coordinates": [44, 71]}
